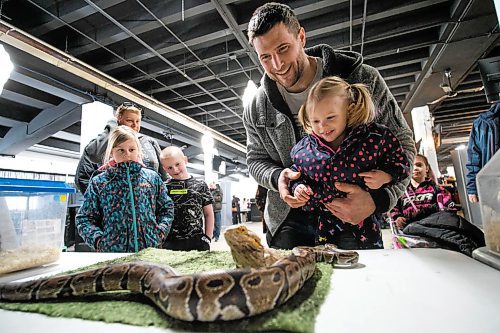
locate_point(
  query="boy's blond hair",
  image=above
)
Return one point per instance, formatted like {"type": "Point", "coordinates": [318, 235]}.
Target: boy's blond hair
{"type": "Point", "coordinates": [171, 151]}
{"type": "Point", "coordinates": [360, 108]}
{"type": "Point", "coordinates": [118, 136]}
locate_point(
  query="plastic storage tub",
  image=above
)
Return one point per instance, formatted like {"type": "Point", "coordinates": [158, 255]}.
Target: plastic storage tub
{"type": "Point", "coordinates": [488, 187]}
{"type": "Point", "coordinates": [32, 221]}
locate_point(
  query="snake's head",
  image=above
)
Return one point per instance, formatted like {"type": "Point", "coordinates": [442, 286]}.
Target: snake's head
{"type": "Point", "coordinates": [346, 258]}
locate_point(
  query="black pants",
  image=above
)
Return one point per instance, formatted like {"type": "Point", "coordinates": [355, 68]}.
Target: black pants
{"type": "Point", "coordinates": [236, 218]}
{"type": "Point", "coordinates": [298, 229]}
{"type": "Point", "coordinates": [198, 242]}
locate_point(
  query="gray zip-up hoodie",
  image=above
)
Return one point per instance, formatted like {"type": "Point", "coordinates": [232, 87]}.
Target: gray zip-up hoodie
{"type": "Point", "coordinates": [271, 130]}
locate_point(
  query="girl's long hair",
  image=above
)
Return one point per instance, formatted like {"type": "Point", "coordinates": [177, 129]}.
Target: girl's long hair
{"type": "Point", "coordinates": [118, 136]}
{"type": "Point", "coordinates": [430, 173]}
{"type": "Point", "coordinates": [360, 108]}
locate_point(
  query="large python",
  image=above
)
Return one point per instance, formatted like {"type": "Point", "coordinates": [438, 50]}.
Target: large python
{"type": "Point", "coordinates": [265, 280]}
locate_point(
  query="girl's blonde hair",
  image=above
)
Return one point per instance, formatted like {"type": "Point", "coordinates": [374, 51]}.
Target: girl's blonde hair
{"type": "Point", "coordinates": [118, 136]}
{"type": "Point", "coordinates": [360, 108]}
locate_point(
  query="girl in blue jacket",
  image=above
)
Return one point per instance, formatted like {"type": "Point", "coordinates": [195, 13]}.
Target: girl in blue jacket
{"type": "Point", "coordinates": [344, 145]}
{"type": "Point", "coordinates": [126, 208]}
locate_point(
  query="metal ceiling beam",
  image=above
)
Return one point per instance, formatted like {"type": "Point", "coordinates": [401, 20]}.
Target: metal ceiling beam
{"type": "Point", "coordinates": [195, 43]}
{"type": "Point", "coordinates": [228, 17]}
{"type": "Point", "coordinates": [153, 106]}
{"type": "Point", "coordinates": [67, 136]}
{"type": "Point", "coordinates": [215, 37]}
{"type": "Point", "coordinates": [46, 123]}
{"type": "Point", "coordinates": [224, 100]}
{"type": "Point", "coordinates": [198, 94]}
{"type": "Point", "coordinates": [192, 53]}
{"type": "Point", "coordinates": [45, 52]}
{"type": "Point", "coordinates": [455, 27]}
{"type": "Point", "coordinates": [25, 100]}
{"type": "Point", "coordinates": [9, 122]}
{"type": "Point", "coordinates": [199, 80]}
{"type": "Point", "coordinates": [61, 144]}
{"type": "Point", "coordinates": [183, 66]}
{"type": "Point", "coordinates": [192, 151]}
{"type": "Point", "coordinates": [153, 51]}
{"type": "Point", "coordinates": [46, 84]}
{"type": "Point", "coordinates": [69, 12]}
{"type": "Point", "coordinates": [452, 141]}
{"type": "Point", "coordinates": [397, 58]}
{"type": "Point", "coordinates": [110, 36]}
{"type": "Point", "coordinates": [344, 26]}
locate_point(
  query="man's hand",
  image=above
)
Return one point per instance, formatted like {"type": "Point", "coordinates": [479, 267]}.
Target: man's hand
{"type": "Point", "coordinates": [284, 179]}
{"type": "Point", "coordinates": [356, 207]}
{"type": "Point", "coordinates": [374, 179]}
{"type": "Point", "coordinates": [473, 198]}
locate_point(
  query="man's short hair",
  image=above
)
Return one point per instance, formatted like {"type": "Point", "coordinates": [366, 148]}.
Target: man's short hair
{"type": "Point", "coordinates": [267, 16]}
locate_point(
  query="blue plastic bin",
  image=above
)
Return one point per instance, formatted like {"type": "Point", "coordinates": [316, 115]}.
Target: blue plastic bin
{"type": "Point", "coordinates": [32, 221]}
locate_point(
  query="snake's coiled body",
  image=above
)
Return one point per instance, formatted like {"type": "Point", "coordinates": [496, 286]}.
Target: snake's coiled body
{"type": "Point", "coordinates": [207, 296]}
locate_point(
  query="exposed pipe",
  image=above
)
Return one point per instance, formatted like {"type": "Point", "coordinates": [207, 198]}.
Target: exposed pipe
{"type": "Point", "coordinates": [350, 25]}
{"type": "Point", "coordinates": [363, 27]}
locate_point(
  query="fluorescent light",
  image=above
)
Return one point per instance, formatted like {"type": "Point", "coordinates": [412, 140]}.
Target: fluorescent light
{"type": "Point", "coordinates": [207, 142]}
{"type": "Point", "coordinates": [249, 93]}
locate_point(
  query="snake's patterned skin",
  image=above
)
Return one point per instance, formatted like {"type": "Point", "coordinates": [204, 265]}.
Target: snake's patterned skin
{"type": "Point", "coordinates": [206, 296]}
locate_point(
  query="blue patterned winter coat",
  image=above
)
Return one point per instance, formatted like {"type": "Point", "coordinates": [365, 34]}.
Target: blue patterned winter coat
{"type": "Point", "coordinates": [365, 148]}
{"type": "Point", "coordinates": [107, 212]}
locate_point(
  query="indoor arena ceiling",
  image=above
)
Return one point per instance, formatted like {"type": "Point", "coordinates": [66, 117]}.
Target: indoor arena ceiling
{"type": "Point", "coordinates": [193, 57]}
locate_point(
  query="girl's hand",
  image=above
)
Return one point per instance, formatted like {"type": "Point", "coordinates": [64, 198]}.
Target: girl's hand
{"type": "Point", "coordinates": [400, 222]}
{"type": "Point", "coordinates": [303, 193]}
{"type": "Point", "coordinates": [283, 181]}
{"type": "Point", "coordinates": [375, 179]}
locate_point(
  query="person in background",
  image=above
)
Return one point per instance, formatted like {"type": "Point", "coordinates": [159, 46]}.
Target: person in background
{"type": "Point", "coordinates": [427, 217]}
{"type": "Point", "coordinates": [422, 197]}
{"type": "Point", "coordinates": [192, 228]}
{"type": "Point", "coordinates": [343, 145]}
{"type": "Point", "coordinates": [484, 142]}
{"type": "Point", "coordinates": [260, 201]}
{"type": "Point", "coordinates": [126, 207]}
{"type": "Point", "coordinates": [217, 196]}
{"type": "Point", "coordinates": [272, 127]}
{"type": "Point", "coordinates": [236, 210]}
{"type": "Point", "coordinates": [127, 114]}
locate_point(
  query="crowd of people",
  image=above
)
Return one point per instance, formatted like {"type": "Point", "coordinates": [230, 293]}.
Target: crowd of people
{"type": "Point", "coordinates": [334, 143]}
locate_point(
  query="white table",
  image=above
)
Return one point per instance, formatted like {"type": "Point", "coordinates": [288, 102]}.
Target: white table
{"type": "Point", "coordinates": [418, 290]}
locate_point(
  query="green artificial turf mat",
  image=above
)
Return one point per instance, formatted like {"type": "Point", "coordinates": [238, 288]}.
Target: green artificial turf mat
{"type": "Point", "coordinates": [297, 315]}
